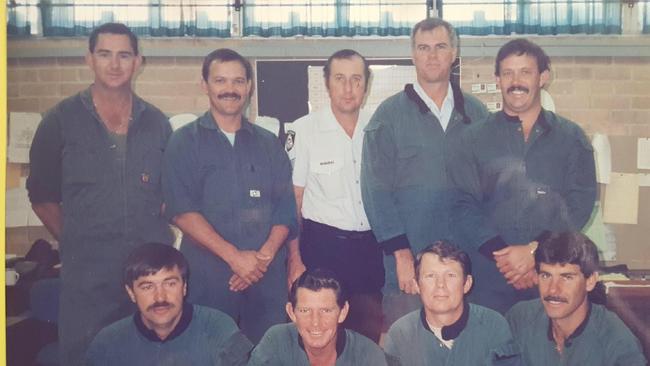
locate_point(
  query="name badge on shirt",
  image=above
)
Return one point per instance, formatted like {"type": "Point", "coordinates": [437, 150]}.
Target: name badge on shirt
{"type": "Point", "coordinates": [254, 193]}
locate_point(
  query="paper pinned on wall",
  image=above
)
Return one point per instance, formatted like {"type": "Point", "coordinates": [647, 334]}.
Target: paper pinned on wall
{"type": "Point", "coordinates": [596, 231]}
{"type": "Point", "coordinates": [19, 211]}
{"type": "Point", "coordinates": [643, 153]}
{"type": "Point", "coordinates": [603, 157]}
{"type": "Point", "coordinates": [644, 180]}
{"type": "Point", "coordinates": [22, 127]}
{"type": "Point", "coordinates": [622, 199]}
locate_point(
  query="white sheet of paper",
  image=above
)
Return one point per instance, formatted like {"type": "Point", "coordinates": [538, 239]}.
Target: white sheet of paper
{"type": "Point", "coordinates": [622, 199]}
{"type": "Point", "coordinates": [603, 157]}
{"type": "Point", "coordinates": [644, 180]}
{"type": "Point", "coordinates": [22, 127]}
{"type": "Point", "coordinates": [643, 153]}
{"type": "Point", "coordinates": [596, 231]}
{"type": "Point", "coordinates": [19, 211]}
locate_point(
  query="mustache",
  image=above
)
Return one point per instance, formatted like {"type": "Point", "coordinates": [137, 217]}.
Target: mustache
{"type": "Point", "coordinates": [229, 95]}
{"type": "Point", "coordinates": [162, 304]}
{"type": "Point", "coordinates": [556, 298]}
{"type": "Point", "coordinates": [518, 88]}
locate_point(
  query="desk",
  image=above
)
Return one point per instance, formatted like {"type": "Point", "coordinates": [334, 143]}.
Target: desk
{"type": "Point", "coordinates": [631, 301]}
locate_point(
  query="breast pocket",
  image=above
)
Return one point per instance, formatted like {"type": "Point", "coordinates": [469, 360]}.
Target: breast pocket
{"type": "Point", "coordinates": [410, 169]}
{"type": "Point", "coordinates": [79, 165]}
{"type": "Point", "coordinates": [327, 175]}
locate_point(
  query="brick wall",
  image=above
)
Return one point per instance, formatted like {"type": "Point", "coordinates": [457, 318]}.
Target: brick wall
{"type": "Point", "coordinates": [603, 94]}
{"type": "Point", "coordinates": [608, 95]}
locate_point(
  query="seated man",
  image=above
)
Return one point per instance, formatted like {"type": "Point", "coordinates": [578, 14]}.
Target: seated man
{"type": "Point", "coordinates": [317, 306]}
{"type": "Point", "coordinates": [165, 330]}
{"type": "Point", "coordinates": [448, 330]}
{"type": "Point", "coordinates": [564, 326]}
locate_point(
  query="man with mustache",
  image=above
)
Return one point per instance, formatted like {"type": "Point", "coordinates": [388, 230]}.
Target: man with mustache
{"type": "Point", "coordinates": [165, 330]}
{"type": "Point", "coordinates": [567, 326]}
{"type": "Point", "coordinates": [523, 172]}
{"type": "Point", "coordinates": [404, 183]}
{"type": "Point", "coordinates": [227, 186]}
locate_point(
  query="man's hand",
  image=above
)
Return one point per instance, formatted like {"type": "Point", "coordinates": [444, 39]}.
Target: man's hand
{"type": "Point", "coordinates": [406, 271]}
{"type": "Point", "coordinates": [526, 281]}
{"type": "Point", "coordinates": [246, 266]}
{"type": "Point", "coordinates": [514, 262]}
{"type": "Point", "coordinates": [237, 283]}
{"type": "Point", "coordinates": [295, 267]}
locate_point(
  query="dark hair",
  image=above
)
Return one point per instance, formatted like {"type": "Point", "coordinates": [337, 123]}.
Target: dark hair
{"type": "Point", "coordinates": [346, 54]}
{"type": "Point", "coordinates": [445, 250]}
{"type": "Point", "coordinates": [225, 55]}
{"type": "Point", "coordinates": [316, 280]}
{"type": "Point", "coordinates": [148, 259]}
{"type": "Point", "coordinates": [522, 46]}
{"type": "Point", "coordinates": [429, 24]}
{"type": "Point", "coordinates": [569, 247]}
{"type": "Point", "coordinates": [112, 28]}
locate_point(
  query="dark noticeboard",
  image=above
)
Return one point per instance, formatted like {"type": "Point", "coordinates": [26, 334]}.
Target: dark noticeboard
{"type": "Point", "coordinates": [282, 85]}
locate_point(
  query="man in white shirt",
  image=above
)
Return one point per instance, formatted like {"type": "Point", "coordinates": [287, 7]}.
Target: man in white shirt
{"type": "Point", "coordinates": [326, 177]}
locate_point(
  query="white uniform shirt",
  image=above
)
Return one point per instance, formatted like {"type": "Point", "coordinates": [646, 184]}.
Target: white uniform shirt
{"type": "Point", "coordinates": [442, 114]}
{"type": "Point", "coordinates": [328, 166]}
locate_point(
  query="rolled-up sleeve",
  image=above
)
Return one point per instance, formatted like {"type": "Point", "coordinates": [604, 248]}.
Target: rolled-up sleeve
{"type": "Point", "coordinates": [284, 201]}
{"type": "Point", "coordinates": [180, 186]}
{"type": "Point", "coordinates": [45, 159]}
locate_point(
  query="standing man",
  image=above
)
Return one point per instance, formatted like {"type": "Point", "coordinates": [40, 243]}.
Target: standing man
{"type": "Point", "coordinates": [406, 192]}
{"type": "Point", "coordinates": [335, 230]}
{"type": "Point", "coordinates": [166, 330]}
{"type": "Point", "coordinates": [317, 307]}
{"type": "Point", "coordinates": [448, 330]}
{"type": "Point", "coordinates": [227, 186]}
{"type": "Point", "coordinates": [522, 172]}
{"type": "Point", "coordinates": [565, 326]}
{"type": "Point", "coordinates": [94, 182]}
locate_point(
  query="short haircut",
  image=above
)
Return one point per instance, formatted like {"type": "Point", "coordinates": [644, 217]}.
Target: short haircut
{"type": "Point", "coordinates": [112, 28]}
{"type": "Point", "coordinates": [148, 259]}
{"type": "Point", "coordinates": [522, 46]}
{"type": "Point", "coordinates": [316, 280]}
{"type": "Point", "coordinates": [346, 54]}
{"type": "Point", "coordinates": [430, 24]}
{"type": "Point", "coordinates": [569, 247]}
{"type": "Point", "coordinates": [225, 55]}
{"type": "Point", "coordinates": [445, 251]}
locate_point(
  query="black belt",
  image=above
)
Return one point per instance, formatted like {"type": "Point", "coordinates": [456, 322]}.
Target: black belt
{"type": "Point", "coordinates": [322, 229]}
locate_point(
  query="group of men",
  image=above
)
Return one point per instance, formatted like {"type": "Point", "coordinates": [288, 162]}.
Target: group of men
{"type": "Point", "coordinates": [429, 167]}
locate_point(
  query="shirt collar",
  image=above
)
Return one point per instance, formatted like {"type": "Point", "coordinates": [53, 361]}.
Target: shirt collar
{"type": "Point", "coordinates": [576, 333]}
{"type": "Point", "coordinates": [328, 122]}
{"type": "Point", "coordinates": [207, 121]}
{"type": "Point", "coordinates": [459, 101]}
{"type": "Point", "coordinates": [340, 341]}
{"type": "Point", "coordinates": [87, 101]}
{"type": "Point", "coordinates": [449, 98]}
{"type": "Point", "coordinates": [451, 331]}
{"type": "Point", "coordinates": [542, 118]}
{"type": "Point", "coordinates": [183, 323]}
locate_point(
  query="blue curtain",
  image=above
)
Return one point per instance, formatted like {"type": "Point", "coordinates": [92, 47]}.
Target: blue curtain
{"type": "Point", "coordinates": [331, 18]}
{"type": "Point", "coordinates": [173, 18]}
{"type": "Point", "coordinates": [645, 17]}
{"type": "Point", "coordinates": [19, 15]}
{"type": "Point", "coordinates": [544, 17]}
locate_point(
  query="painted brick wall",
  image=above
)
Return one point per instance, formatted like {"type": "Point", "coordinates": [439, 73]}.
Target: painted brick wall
{"type": "Point", "coordinates": [603, 94]}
